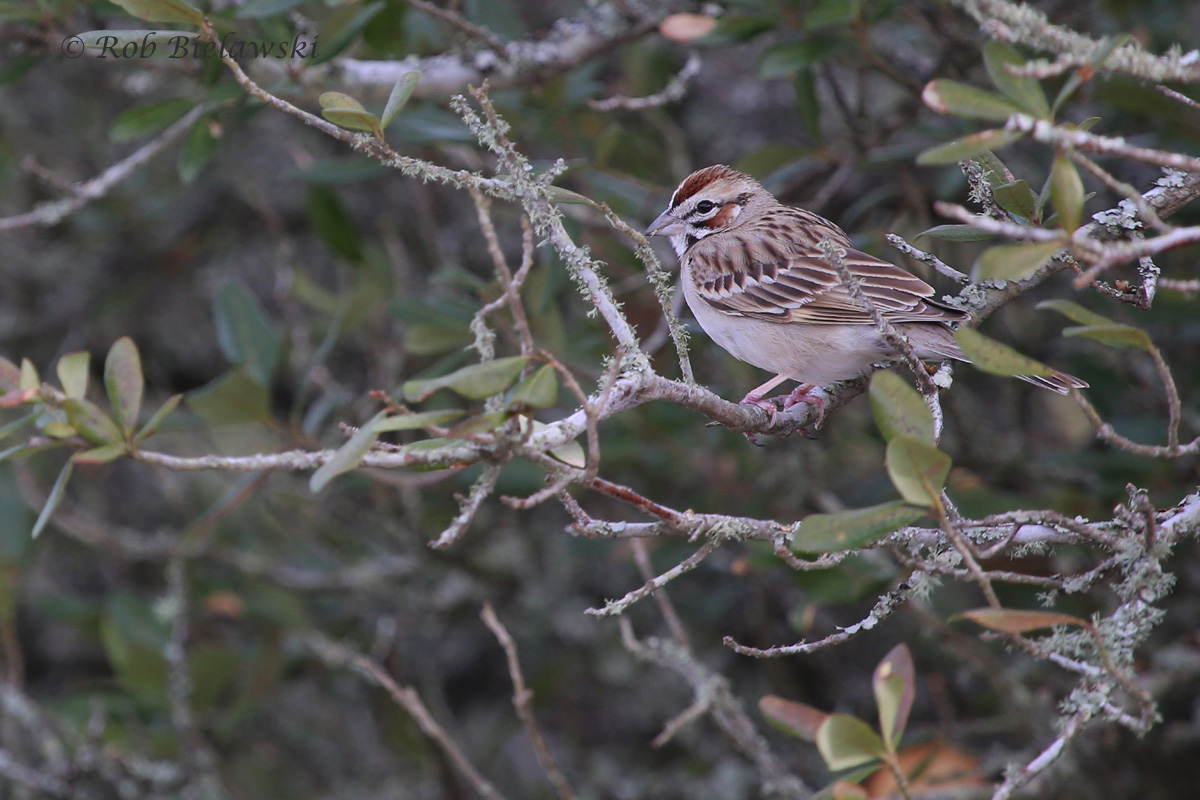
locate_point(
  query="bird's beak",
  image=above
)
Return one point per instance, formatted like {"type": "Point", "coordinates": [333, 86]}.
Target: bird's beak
{"type": "Point", "coordinates": [666, 225]}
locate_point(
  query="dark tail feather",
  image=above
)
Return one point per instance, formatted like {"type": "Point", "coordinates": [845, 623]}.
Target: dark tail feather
{"type": "Point", "coordinates": [1059, 382]}
{"type": "Point", "coordinates": [937, 342]}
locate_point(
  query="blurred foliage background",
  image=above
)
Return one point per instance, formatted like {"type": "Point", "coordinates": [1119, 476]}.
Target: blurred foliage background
{"type": "Point", "coordinates": [275, 278]}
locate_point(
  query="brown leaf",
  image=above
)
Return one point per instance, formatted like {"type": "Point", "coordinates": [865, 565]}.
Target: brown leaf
{"type": "Point", "coordinates": [930, 767]}
{"type": "Point", "coordinates": [684, 28]}
{"type": "Point", "coordinates": [1015, 620]}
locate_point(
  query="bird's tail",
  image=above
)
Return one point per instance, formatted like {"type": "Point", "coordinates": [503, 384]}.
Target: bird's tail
{"type": "Point", "coordinates": [938, 343]}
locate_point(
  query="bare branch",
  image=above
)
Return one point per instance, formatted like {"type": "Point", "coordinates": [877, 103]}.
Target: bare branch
{"type": "Point", "coordinates": [523, 703]}
{"type": "Point", "coordinates": [1020, 23]}
{"type": "Point", "coordinates": [713, 697]}
{"type": "Point", "coordinates": [672, 92]}
{"type": "Point", "coordinates": [55, 211]}
{"type": "Point", "coordinates": [461, 23]}
{"type": "Point", "coordinates": [929, 259]}
{"type": "Point", "coordinates": [339, 656]}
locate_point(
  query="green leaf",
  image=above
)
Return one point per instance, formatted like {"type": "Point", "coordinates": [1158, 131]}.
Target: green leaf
{"type": "Point", "coordinates": [73, 372]}
{"type": "Point", "coordinates": [233, 399]}
{"type": "Point", "coordinates": [1066, 192]}
{"type": "Point", "coordinates": [409, 422]}
{"type": "Point", "coordinates": [480, 424]}
{"type": "Point", "coordinates": [997, 358]}
{"type": "Point", "coordinates": [101, 455]}
{"type": "Point", "coordinates": [957, 233]}
{"type": "Point", "coordinates": [787, 59]}
{"type": "Point", "coordinates": [146, 119]}
{"type": "Point", "coordinates": [894, 683]}
{"type": "Point", "coordinates": [134, 639]}
{"type": "Point", "coordinates": [155, 422]}
{"type": "Point", "coordinates": [162, 11]}
{"type": "Point", "coordinates": [1016, 198]}
{"type": "Point", "coordinates": [572, 453]}
{"type": "Point", "coordinates": [349, 455]}
{"type": "Point", "coordinates": [57, 429]}
{"type": "Point", "coordinates": [91, 423]}
{"type": "Point", "coordinates": [968, 146]}
{"type": "Point", "coordinates": [340, 100]}
{"type": "Point", "coordinates": [918, 470]}
{"type": "Point", "coordinates": [124, 382]}
{"type": "Point", "coordinates": [961, 100]}
{"type": "Point", "coordinates": [1113, 335]}
{"type": "Point", "coordinates": [557, 194]}
{"type": "Point", "coordinates": [1024, 91]}
{"type": "Point", "coordinates": [342, 26]}
{"type": "Point", "coordinates": [1074, 312]}
{"type": "Point", "coordinates": [850, 530]}
{"type": "Point", "coordinates": [8, 429]}
{"type": "Point", "coordinates": [1012, 620]}
{"type": "Point", "coordinates": [994, 171]}
{"type": "Point", "coordinates": [539, 390]}
{"type": "Point", "coordinates": [1014, 262]}
{"type": "Point", "coordinates": [29, 376]}
{"type": "Point", "coordinates": [353, 120]}
{"type": "Point", "coordinates": [26, 449]}
{"type": "Point", "coordinates": [401, 92]}
{"type": "Point", "coordinates": [808, 103]}
{"type": "Point", "coordinates": [53, 499]}
{"type": "Point", "coordinates": [846, 742]}
{"type": "Point", "coordinates": [899, 408]}
{"type": "Point", "coordinates": [796, 719]}
{"type": "Point", "coordinates": [198, 148]}
{"type": "Point", "coordinates": [475, 382]}
{"type": "Point", "coordinates": [421, 339]}
{"type": "Point", "coordinates": [255, 9]}
{"type": "Point", "coordinates": [333, 224]}
{"type": "Point", "coordinates": [105, 42]}
{"type": "Point", "coordinates": [245, 333]}
{"type": "Point", "coordinates": [831, 13]}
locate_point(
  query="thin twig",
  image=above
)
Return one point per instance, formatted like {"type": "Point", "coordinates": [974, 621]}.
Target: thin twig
{"type": "Point", "coordinates": [197, 754]}
{"type": "Point", "coordinates": [885, 606]}
{"type": "Point", "coordinates": [1106, 432]}
{"type": "Point", "coordinates": [712, 695]}
{"type": "Point", "coordinates": [461, 23]}
{"type": "Point", "coordinates": [523, 703]}
{"type": "Point", "coordinates": [672, 92]}
{"type": "Point", "coordinates": [649, 587]}
{"type": "Point", "coordinates": [341, 656]}
{"type": "Point", "coordinates": [928, 259]}
{"type": "Point", "coordinates": [835, 257]}
{"type": "Point", "coordinates": [55, 211]}
{"type": "Point", "coordinates": [1178, 97]}
{"type": "Point", "coordinates": [641, 556]}
{"type": "Point", "coordinates": [469, 507]}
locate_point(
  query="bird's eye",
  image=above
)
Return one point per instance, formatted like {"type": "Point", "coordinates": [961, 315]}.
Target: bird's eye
{"type": "Point", "coordinates": [705, 206]}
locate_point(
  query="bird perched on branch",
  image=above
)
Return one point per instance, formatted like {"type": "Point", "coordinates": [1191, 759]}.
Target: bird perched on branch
{"type": "Point", "coordinates": [756, 278]}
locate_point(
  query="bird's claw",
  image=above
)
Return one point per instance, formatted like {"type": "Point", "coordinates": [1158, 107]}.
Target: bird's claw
{"type": "Point", "coordinates": [758, 401]}
{"type": "Point", "coordinates": [803, 394]}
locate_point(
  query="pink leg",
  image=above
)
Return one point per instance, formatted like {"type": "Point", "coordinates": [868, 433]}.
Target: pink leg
{"type": "Point", "coordinates": [801, 394]}
{"type": "Point", "coordinates": [756, 396]}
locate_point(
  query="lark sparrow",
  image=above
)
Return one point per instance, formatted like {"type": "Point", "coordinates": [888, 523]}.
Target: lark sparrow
{"type": "Point", "coordinates": [759, 285]}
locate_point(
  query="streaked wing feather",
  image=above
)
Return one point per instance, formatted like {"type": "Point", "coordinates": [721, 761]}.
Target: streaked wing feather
{"type": "Point", "coordinates": [766, 270]}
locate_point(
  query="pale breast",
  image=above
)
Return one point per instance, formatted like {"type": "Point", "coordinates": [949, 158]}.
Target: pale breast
{"type": "Point", "coordinates": [815, 354]}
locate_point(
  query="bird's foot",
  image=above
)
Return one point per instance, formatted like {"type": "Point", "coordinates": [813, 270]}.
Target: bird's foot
{"type": "Point", "coordinates": [804, 394]}
{"type": "Point", "coordinates": [769, 406]}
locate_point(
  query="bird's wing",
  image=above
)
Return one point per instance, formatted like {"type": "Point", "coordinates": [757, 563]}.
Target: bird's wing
{"type": "Point", "coordinates": [765, 272]}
